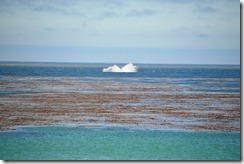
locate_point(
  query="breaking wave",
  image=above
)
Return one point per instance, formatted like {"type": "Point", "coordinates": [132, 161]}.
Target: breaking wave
{"type": "Point", "coordinates": [127, 68]}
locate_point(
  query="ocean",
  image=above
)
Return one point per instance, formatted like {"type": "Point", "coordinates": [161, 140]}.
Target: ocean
{"type": "Point", "coordinates": [75, 111]}
{"type": "Point", "coordinates": [116, 143]}
{"type": "Point", "coordinates": [95, 70]}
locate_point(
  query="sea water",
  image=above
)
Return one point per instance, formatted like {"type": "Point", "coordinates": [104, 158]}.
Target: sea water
{"type": "Point", "coordinates": [95, 70]}
{"type": "Point", "coordinates": [106, 143]}
{"type": "Point", "coordinates": [116, 143]}
{"type": "Point", "coordinates": [202, 78]}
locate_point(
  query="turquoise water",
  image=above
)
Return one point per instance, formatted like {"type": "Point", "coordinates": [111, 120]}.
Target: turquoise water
{"type": "Point", "coordinates": [116, 143]}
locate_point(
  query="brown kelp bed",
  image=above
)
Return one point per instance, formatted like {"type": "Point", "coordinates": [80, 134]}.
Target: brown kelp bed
{"type": "Point", "coordinates": [148, 106]}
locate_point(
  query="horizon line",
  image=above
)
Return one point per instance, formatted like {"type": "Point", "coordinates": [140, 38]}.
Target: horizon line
{"type": "Point", "coordinates": [68, 62]}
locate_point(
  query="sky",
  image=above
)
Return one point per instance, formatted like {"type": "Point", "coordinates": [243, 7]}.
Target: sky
{"type": "Point", "coordinates": [121, 31]}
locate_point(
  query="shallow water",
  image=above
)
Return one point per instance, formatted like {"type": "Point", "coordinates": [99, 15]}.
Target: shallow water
{"type": "Point", "coordinates": [186, 97]}
{"type": "Point", "coordinates": [116, 143]}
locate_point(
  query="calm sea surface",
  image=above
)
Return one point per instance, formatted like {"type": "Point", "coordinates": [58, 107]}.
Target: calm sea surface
{"type": "Point", "coordinates": [95, 70]}
{"type": "Point", "coordinates": [205, 78]}
{"type": "Point", "coordinates": [115, 143]}
{"type": "Point", "coordinates": [121, 143]}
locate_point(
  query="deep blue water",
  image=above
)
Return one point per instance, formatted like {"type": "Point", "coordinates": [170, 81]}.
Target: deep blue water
{"type": "Point", "coordinates": [57, 143]}
{"type": "Point", "coordinates": [202, 78]}
{"type": "Point", "coordinates": [95, 70]}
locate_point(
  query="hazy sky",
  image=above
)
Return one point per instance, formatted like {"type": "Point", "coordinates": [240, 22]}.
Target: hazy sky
{"type": "Point", "coordinates": [121, 31]}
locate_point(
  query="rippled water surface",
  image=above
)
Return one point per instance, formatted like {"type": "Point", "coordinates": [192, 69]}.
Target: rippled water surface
{"type": "Point", "coordinates": [116, 143]}
{"type": "Point", "coordinates": [161, 112]}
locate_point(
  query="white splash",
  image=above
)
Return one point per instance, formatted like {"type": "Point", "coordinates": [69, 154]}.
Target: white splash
{"type": "Point", "coordinates": [127, 68]}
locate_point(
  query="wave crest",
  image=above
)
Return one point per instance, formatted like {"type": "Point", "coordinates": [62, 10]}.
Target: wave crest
{"type": "Point", "coordinates": [127, 68]}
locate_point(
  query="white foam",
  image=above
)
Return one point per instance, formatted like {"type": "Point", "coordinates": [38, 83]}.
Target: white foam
{"type": "Point", "coordinates": [127, 68]}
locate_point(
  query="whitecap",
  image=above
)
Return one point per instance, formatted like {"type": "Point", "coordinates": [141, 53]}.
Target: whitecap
{"type": "Point", "coordinates": [127, 68]}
